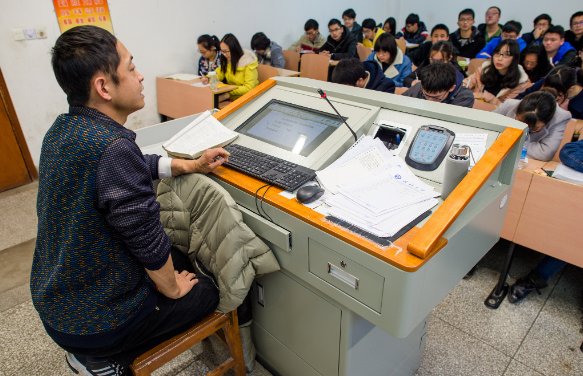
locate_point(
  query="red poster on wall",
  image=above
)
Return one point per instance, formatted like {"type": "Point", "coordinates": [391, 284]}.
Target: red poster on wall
{"type": "Point", "coordinates": [71, 13]}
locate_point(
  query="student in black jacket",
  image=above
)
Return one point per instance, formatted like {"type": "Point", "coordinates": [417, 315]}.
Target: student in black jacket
{"type": "Point", "coordinates": [467, 40]}
{"type": "Point", "coordinates": [541, 25]}
{"type": "Point", "coordinates": [340, 44]}
{"type": "Point", "coordinates": [349, 19]}
{"type": "Point", "coordinates": [575, 35]}
{"type": "Point", "coordinates": [421, 54]}
{"type": "Point", "coordinates": [414, 31]}
{"type": "Point", "coordinates": [367, 75]}
{"type": "Point", "coordinates": [440, 52]}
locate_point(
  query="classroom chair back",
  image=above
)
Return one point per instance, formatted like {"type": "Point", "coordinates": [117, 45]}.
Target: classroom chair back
{"type": "Point", "coordinates": [292, 60]}
{"type": "Point", "coordinates": [475, 64]}
{"type": "Point", "coordinates": [363, 52]}
{"type": "Point", "coordinates": [315, 66]}
{"type": "Point", "coordinates": [479, 105]}
{"type": "Point", "coordinates": [265, 72]}
{"type": "Point", "coordinates": [567, 137]}
{"type": "Point", "coordinates": [402, 45]}
{"type": "Point", "coordinates": [400, 90]}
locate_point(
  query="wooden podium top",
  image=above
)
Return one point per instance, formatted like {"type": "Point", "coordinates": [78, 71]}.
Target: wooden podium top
{"type": "Point", "coordinates": [418, 244]}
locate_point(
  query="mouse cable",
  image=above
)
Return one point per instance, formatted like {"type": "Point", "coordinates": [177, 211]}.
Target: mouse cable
{"type": "Point", "coordinates": [262, 197]}
{"type": "Point", "coordinates": [257, 205]}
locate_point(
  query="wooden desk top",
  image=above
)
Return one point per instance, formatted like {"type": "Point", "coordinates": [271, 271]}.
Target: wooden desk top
{"type": "Point", "coordinates": [533, 164]}
{"type": "Point", "coordinates": [221, 90]}
{"type": "Point", "coordinates": [334, 63]}
{"type": "Point", "coordinates": [287, 73]}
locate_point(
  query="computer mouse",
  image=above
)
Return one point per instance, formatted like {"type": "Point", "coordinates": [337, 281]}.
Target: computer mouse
{"type": "Point", "coordinates": [309, 193]}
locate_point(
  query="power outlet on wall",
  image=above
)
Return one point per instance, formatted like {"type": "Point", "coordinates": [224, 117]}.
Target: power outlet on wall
{"type": "Point", "coordinates": [41, 32]}
{"type": "Point", "coordinates": [18, 34]}
{"type": "Point", "coordinates": [29, 34]}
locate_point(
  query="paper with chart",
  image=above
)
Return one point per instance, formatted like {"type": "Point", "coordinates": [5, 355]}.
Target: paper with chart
{"type": "Point", "coordinates": [476, 141]}
{"type": "Point", "coordinates": [205, 132]}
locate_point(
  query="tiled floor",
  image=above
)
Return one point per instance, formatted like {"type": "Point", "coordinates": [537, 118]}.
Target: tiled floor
{"type": "Point", "coordinates": [539, 336]}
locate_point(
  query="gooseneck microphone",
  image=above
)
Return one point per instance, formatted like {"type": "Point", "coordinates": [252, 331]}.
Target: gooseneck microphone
{"type": "Point", "coordinates": [323, 95]}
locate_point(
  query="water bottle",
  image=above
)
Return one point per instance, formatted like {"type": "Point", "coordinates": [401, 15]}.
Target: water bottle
{"type": "Point", "coordinates": [213, 80]}
{"type": "Point", "coordinates": [524, 150]}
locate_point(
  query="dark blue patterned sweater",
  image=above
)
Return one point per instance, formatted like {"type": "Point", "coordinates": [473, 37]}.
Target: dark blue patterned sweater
{"type": "Point", "coordinates": [99, 228]}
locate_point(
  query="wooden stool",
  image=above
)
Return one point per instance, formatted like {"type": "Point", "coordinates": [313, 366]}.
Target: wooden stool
{"type": "Point", "coordinates": [147, 363]}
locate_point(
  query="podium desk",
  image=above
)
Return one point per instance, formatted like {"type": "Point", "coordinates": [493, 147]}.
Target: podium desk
{"type": "Point", "coordinates": [307, 320]}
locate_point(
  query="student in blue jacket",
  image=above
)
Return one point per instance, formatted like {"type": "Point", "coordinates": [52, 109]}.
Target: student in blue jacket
{"type": "Point", "coordinates": [367, 75]}
{"type": "Point", "coordinates": [511, 30]}
{"type": "Point", "coordinates": [394, 63]}
{"type": "Point", "coordinates": [559, 51]}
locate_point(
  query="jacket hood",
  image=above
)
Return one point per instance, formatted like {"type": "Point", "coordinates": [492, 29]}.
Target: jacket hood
{"type": "Point", "coordinates": [459, 83]}
{"type": "Point", "coordinates": [565, 47]}
{"type": "Point", "coordinates": [248, 58]}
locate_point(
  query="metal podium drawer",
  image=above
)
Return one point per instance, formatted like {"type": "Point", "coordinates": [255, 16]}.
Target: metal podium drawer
{"type": "Point", "coordinates": [346, 275]}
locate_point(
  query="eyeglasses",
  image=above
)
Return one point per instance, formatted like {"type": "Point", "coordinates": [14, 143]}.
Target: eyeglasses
{"type": "Point", "coordinates": [435, 98]}
{"type": "Point", "coordinates": [466, 20]}
{"type": "Point", "coordinates": [575, 24]}
{"type": "Point", "coordinates": [509, 36]}
{"type": "Point", "coordinates": [542, 24]}
{"type": "Point", "coordinates": [312, 33]}
{"type": "Point", "coordinates": [202, 52]}
{"type": "Point", "coordinates": [504, 55]}
{"type": "Point", "coordinates": [492, 13]}
{"type": "Point", "coordinates": [335, 30]}
{"type": "Point", "coordinates": [225, 52]}
{"type": "Point", "coordinates": [383, 53]}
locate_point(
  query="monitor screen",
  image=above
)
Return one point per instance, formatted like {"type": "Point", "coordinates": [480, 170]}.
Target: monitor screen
{"type": "Point", "coordinates": [291, 127]}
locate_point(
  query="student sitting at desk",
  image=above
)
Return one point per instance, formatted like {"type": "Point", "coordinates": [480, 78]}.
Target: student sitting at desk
{"type": "Point", "coordinates": [371, 32]}
{"type": "Point", "coordinates": [238, 67]}
{"type": "Point", "coordinates": [468, 40]}
{"type": "Point", "coordinates": [340, 44]}
{"type": "Point", "coordinates": [541, 25]}
{"type": "Point", "coordinates": [105, 281]}
{"type": "Point", "coordinates": [441, 82]}
{"type": "Point", "coordinates": [390, 26]}
{"type": "Point", "coordinates": [210, 58]}
{"type": "Point", "coordinates": [349, 19]}
{"type": "Point", "coordinates": [311, 41]}
{"type": "Point", "coordinates": [511, 30]}
{"type": "Point", "coordinates": [440, 52]}
{"type": "Point", "coordinates": [558, 51]}
{"type": "Point", "coordinates": [535, 63]}
{"type": "Point", "coordinates": [502, 77]}
{"type": "Point", "coordinates": [421, 54]}
{"type": "Point", "coordinates": [390, 59]}
{"type": "Point", "coordinates": [414, 31]}
{"type": "Point", "coordinates": [575, 33]}
{"type": "Point", "coordinates": [267, 52]}
{"type": "Point", "coordinates": [567, 82]}
{"type": "Point", "coordinates": [366, 75]}
{"type": "Point", "coordinates": [545, 119]}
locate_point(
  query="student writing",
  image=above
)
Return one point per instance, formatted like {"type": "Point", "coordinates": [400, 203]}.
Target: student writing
{"type": "Point", "coordinates": [311, 40]}
{"type": "Point", "coordinates": [210, 58]}
{"type": "Point", "coordinates": [390, 59]}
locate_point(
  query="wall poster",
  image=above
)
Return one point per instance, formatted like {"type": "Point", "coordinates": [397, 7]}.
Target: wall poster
{"type": "Point", "coordinates": [71, 13]}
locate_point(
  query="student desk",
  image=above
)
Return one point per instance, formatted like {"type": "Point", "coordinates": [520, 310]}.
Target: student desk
{"type": "Point", "coordinates": [281, 72]}
{"type": "Point", "coordinates": [306, 319]}
{"type": "Point", "coordinates": [177, 99]}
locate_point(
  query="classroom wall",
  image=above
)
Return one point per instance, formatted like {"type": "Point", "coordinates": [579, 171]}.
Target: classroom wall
{"type": "Point", "coordinates": [161, 35]}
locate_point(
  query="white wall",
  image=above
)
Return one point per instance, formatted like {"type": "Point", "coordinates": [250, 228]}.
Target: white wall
{"type": "Point", "coordinates": [525, 11]}
{"type": "Point", "coordinates": [161, 35]}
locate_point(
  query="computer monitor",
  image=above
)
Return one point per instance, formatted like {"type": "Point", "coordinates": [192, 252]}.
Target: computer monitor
{"type": "Point", "coordinates": [289, 126]}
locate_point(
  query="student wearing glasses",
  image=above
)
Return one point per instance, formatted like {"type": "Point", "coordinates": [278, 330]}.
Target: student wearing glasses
{"type": "Point", "coordinates": [558, 51]}
{"type": "Point", "coordinates": [420, 55]}
{"type": "Point", "coordinates": [467, 39]}
{"type": "Point", "coordinates": [575, 34]}
{"type": "Point", "coordinates": [340, 44]}
{"type": "Point", "coordinates": [491, 29]}
{"type": "Point", "coordinates": [440, 52]}
{"type": "Point", "coordinates": [238, 68]}
{"type": "Point", "coordinates": [511, 30]}
{"type": "Point", "coordinates": [390, 26]}
{"type": "Point", "coordinates": [210, 54]}
{"type": "Point", "coordinates": [541, 25]}
{"type": "Point", "coordinates": [535, 63]}
{"type": "Point", "coordinates": [311, 41]}
{"type": "Point", "coordinates": [371, 32]}
{"type": "Point", "coordinates": [501, 77]}
{"type": "Point", "coordinates": [267, 51]}
{"type": "Point", "coordinates": [394, 63]}
{"type": "Point", "coordinates": [441, 82]}
{"type": "Point", "coordinates": [349, 19]}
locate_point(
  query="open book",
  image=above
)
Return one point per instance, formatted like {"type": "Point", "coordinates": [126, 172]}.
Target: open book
{"type": "Point", "coordinates": [205, 132]}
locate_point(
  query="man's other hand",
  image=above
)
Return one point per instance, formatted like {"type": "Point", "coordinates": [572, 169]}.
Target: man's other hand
{"type": "Point", "coordinates": [185, 282]}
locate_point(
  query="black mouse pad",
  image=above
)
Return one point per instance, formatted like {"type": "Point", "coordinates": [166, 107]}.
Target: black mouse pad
{"type": "Point", "coordinates": [380, 241]}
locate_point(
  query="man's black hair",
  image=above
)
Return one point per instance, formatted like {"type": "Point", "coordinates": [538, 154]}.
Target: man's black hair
{"type": "Point", "coordinates": [334, 21]}
{"type": "Point", "coordinates": [467, 12]}
{"type": "Point", "coordinates": [438, 77]}
{"type": "Point", "coordinates": [348, 72]}
{"type": "Point", "coordinates": [79, 54]}
{"type": "Point", "coordinates": [311, 25]}
{"type": "Point", "coordinates": [412, 19]}
{"type": "Point", "coordinates": [576, 14]}
{"type": "Point", "coordinates": [350, 13]}
{"type": "Point", "coordinates": [512, 27]}
{"type": "Point", "coordinates": [499, 11]}
{"type": "Point", "coordinates": [543, 16]}
{"type": "Point", "coordinates": [386, 42]}
{"type": "Point", "coordinates": [369, 23]}
{"type": "Point", "coordinates": [260, 42]}
{"type": "Point", "coordinates": [556, 30]}
{"type": "Point", "coordinates": [440, 27]}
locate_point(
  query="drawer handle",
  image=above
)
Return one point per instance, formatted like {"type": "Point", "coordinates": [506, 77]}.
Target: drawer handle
{"type": "Point", "coordinates": [349, 279]}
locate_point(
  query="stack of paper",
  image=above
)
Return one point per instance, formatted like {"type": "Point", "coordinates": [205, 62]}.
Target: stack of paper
{"type": "Point", "coordinates": [375, 190]}
{"type": "Point", "coordinates": [569, 174]}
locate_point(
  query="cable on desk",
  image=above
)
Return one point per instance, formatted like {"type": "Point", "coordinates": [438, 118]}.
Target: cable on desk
{"type": "Point", "coordinates": [257, 205]}
{"type": "Point", "coordinates": [264, 212]}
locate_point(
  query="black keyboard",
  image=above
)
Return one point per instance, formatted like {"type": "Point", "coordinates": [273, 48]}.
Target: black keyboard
{"type": "Point", "coordinates": [283, 174]}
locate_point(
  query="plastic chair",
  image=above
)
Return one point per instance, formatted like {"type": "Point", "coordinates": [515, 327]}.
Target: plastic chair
{"type": "Point", "coordinates": [483, 106]}
{"type": "Point", "coordinates": [265, 72]}
{"type": "Point", "coordinates": [402, 45]}
{"type": "Point", "coordinates": [567, 137]}
{"type": "Point", "coordinates": [363, 52]}
{"type": "Point", "coordinates": [315, 66]}
{"type": "Point", "coordinates": [150, 361]}
{"type": "Point", "coordinates": [400, 90]}
{"type": "Point", "coordinates": [292, 60]}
